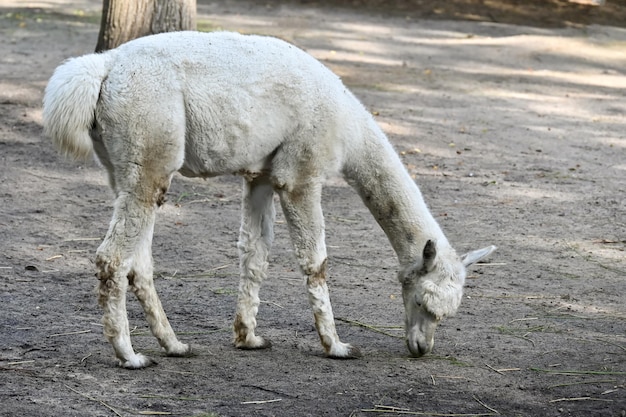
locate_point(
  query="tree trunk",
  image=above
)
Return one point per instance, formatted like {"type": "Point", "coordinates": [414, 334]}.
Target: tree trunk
{"type": "Point", "coordinates": [123, 20]}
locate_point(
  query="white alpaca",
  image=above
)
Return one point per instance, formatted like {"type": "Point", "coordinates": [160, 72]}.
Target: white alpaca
{"type": "Point", "coordinates": [222, 103]}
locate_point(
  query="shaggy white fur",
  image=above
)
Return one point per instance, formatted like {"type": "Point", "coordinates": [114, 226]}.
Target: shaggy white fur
{"type": "Point", "coordinates": [223, 103]}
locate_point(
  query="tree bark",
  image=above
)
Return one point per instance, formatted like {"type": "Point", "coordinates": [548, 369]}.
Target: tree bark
{"type": "Point", "coordinates": [123, 20]}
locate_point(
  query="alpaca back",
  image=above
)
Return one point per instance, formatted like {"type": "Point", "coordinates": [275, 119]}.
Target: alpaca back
{"type": "Point", "coordinates": [243, 97]}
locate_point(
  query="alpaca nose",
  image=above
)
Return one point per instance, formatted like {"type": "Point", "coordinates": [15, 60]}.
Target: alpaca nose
{"type": "Point", "coordinates": [419, 348]}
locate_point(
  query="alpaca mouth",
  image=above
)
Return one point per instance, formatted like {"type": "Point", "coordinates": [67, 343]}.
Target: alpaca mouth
{"type": "Point", "coordinates": [420, 338]}
{"type": "Point", "coordinates": [419, 349]}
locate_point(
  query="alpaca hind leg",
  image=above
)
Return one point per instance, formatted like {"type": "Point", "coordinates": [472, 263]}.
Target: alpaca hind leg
{"type": "Point", "coordinates": [140, 154]}
{"type": "Point", "coordinates": [255, 240]}
{"type": "Point", "coordinates": [303, 211]}
{"type": "Point", "coordinates": [114, 260]}
{"type": "Point", "coordinates": [141, 283]}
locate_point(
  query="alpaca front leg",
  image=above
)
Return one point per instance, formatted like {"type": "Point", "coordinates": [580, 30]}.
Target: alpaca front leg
{"type": "Point", "coordinates": [319, 298]}
{"type": "Point", "coordinates": [255, 240]}
{"type": "Point", "coordinates": [303, 211]}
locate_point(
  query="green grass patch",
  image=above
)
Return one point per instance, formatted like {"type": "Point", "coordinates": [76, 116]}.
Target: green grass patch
{"type": "Point", "coordinates": [203, 25]}
{"type": "Point", "coordinates": [26, 16]}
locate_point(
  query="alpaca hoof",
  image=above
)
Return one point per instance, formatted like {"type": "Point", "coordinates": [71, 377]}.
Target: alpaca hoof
{"type": "Point", "coordinates": [345, 351]}
{"type": "Point", "coordinates": [181, 350]}
{"type": "Point", "coordinates": [254, 344]}
{"type": "Point", "coordinates": [138, 361]}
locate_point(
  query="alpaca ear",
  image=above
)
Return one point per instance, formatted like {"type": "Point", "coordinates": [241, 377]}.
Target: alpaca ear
{"type": "Point", "coordinates": [428, 256]}
{"type": "Point", "coordinates": [476, 255]}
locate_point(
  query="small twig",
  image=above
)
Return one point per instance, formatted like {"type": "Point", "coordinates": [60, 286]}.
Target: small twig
{"type": "Point", "coordinates": [493, 369]}
{"type": "Point", "coordinates": [69, 333]}
{"type": "Point", "coordinates": [566, 316]}
{"type": "Point", "coordinates": [609, 391]}
{"type": "Point", "coordinates": [420, 413]}
{"type": "Point", "coordinates": [573, 373]}
{"type": "Point", "coordinates": [275, 392]}
{"type": "Point", "coordinates": [485, 405]}
{"type": "Point", "coordinates": [204, 275]}
{"type": "Point", "coordinates": [524, 319]}
{"type": "Point", "coordinates": [262, 402]}
{"type": "Point", "coordinates": [82, 239]}
{"type": "Point", "coordinates": [225, 329]}
{"type": "Point", "coordinates": [580, 399]}
{"type": "Point", "coordinates": [298, 280]}
{"type": "Point", "coordinates": [20, 362]}
{"type": "Point", "coordinates": [369, 327]}
{"type": "Point", "coordinates": [272, 303]}
{"type": "Point", "coordinates": [391, 408]}
{"type": "Point", "coordinates": [344, 219]}
{"type": "Point", "coordinates": [169, 397]}
{"type": "Point", "coordinates": [501, 370]}
{"type": "Point", "coordinates": [608, 241]}
{"type": "Point", "coordinates": [203, 200]}
{"type": "Point", "coordinates": [94, 399]}
{"type": "Point", "coordinates": [602, 381]}
{"type": "Point", "coordinates": [217, 268]}
{"type": "Point", "coordinates": [454, 377]}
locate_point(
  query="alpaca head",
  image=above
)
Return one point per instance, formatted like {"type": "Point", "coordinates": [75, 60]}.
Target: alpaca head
{"type": "Point", "coordinates": [432, 289]}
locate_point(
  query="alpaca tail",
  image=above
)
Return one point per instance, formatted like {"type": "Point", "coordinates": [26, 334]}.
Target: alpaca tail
{"type": "Point", "coordinates": [70, 100]}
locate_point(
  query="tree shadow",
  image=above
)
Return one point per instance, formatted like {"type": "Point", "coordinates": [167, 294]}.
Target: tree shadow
{"type": "Point", "coordinates": [538, 13]}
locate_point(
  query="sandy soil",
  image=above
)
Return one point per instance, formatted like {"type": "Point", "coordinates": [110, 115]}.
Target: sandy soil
{"type": "Point", "coordinates": [516, 135]}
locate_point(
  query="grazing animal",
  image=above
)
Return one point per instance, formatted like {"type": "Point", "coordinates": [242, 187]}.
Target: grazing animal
{"type": "Point", "coordinates": [223, 103]}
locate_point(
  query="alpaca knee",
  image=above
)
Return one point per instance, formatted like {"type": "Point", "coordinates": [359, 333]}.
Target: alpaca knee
{"type": "Point", "coordinates": [109, 283]}
{"type": "Point", "coordinates": [112, 299]}
{"type": "Point", "coordinates": [316, 276]}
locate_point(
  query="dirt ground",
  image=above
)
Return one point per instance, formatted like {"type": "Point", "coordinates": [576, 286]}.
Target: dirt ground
{"type": "Point", "coordinates": [517, 137]}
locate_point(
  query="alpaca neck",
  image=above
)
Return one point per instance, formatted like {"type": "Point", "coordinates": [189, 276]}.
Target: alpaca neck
{"type": "Point", "coordinates": [378, 175]}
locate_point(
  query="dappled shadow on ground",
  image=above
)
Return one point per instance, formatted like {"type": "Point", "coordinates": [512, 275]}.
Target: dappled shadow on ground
{"type": "Point", "coordinates": [540, 13]}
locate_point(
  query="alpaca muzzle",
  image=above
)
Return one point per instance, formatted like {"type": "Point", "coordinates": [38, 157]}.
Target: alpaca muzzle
{"type": "Point", "coordinates": [420, 337]}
